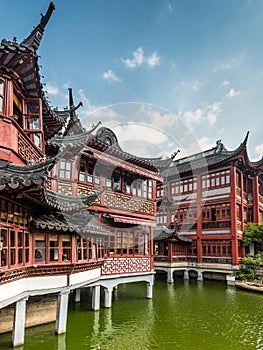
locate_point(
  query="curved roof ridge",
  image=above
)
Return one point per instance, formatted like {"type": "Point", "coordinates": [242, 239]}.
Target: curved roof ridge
{"type": "Point", "coordinates": [65, 202]}
{"type": "Point", "coordinates": [34, 38]}
{"type": "Point", "coordinates": [13, 175]}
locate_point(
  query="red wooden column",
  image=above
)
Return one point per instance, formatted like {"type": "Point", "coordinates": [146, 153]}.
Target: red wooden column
{"type": "Point", "coordinates": [199, 218]}
{"type": "Point", "coordinates": [242, 201]}
{"type": "Point", "coordinates": [233, 216]}
{"type": "Point", "coordinates": [151, 248]}
{"type": "Point", "coordinates": [242, 213]}
{"type": "Point", "coordinates": [170, 252]}
{"type": "Point", "coordinates": [256, 200]}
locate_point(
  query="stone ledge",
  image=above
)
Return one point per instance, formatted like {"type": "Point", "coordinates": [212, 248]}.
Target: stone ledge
{"type": "Point", "coordinates": [252, 286]}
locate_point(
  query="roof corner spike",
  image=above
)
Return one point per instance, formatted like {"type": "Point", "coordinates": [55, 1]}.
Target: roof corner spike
{"type": "Point", "coordinates": [34, 38]}
{"type": "Point", "coordinates": [246, 138]}
{"type": "Point", "coordinates": [71, 103]}
{"type": "Point", "coordinates": [74, 124]}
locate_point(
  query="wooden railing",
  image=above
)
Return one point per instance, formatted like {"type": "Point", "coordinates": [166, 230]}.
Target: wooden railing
{"type": "Point", "coordinates": [128, 203]}
{"type": "Point", "coordinates": [120, 201]}
{"type": "Point", "coordinates": [216, 224]}
{"type": "Point", "coordinates": [119, 265]}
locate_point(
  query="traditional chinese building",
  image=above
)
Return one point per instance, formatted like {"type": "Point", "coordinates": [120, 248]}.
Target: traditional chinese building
{"type": "Point", "coordinates": [75, 209]}
{"type": "Point", "coordinates": [206, 201]}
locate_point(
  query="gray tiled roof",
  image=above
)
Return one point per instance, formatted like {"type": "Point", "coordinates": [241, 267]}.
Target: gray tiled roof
{"type": "Point", "coordinates": [13, 175]}
{"type": "Point", "coordinates": [57, 222]}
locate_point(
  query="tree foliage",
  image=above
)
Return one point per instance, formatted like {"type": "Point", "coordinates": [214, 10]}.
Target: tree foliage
{"type": "Point", "coordinates": [253, 234]}
{"type": "Point", "coordinates": [248, 268]}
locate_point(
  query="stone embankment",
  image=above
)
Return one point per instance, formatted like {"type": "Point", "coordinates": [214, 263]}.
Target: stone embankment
{"type": "Point", "coordinates": [253, 286]}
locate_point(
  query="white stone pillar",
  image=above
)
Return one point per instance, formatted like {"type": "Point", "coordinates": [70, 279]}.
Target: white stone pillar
{"type": "Point", "coordinates": [18, 336]}
{"type": "Point", "coordinates": [62, 342]}
{"type": "Point", "coordinates": [186, 275]}
{"type": "Point", "coordinates": [230, 280]}
{"type": "Point", "coordinates": [77, 295]}
{"type": "Point", "coordinates": [170, 278]}
{"type": "Point", "coordinates": [149, 290]}
{"type": "Point", "coordinates": [199, 276]}
{"type": "Point", "coordinates": [96, 298]}
{"type": "Point", "coordinates": [108, 296]}
{"type": "Point", "coordinates": [62, 312]}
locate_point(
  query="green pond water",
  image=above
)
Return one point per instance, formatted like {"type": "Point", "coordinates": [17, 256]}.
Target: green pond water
{"type": "Point", "coordinates": [186, 315]}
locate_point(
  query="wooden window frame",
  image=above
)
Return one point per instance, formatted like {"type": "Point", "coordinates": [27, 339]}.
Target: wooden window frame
{"type": "Point", "coordinates": [34, 132]}
{"type": "Point", "coordinates": [15, 250]}
{"type": "Point", "coordinates": [217, 179]}
{"type": "Point", "coordinates": [90, 174]}
{"type": "Point", "coordinates": [183, 186]}
{"type": "Point", "coordinates": [64, 172]}
{"type": "Point", "coordinates": [117, 181]}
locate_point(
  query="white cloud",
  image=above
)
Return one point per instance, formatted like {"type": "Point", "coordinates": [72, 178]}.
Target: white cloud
{"type": "Point", "coordinates": [196, 86]}
{"type": "Point", "coordinates": [87, 108]}
{"type": "Point", "coordinates": [221, 67]}
{"type": "Point", "coordinates": [231, 63]}
{"type": "Point", "coordinates": [232, 93]}
{"type": "Point", "coordinates": [139, 58]}
{"type": "Point", "coordinates": [52, 89]}
{"type": "Point", "coordinates": [111, 76]}
{"type": "Point", "coordinates": [207, 114]}
{"type": "Point", "coordinates": [199, 145]}
{"type": "Point", "coordinates": [194, 116]}
{"type": "Point", "coordinates": [153, 60]}
{"type": "Point", "coordinates": [225, 83]}
{"type": "Point", "coordinates": [259, 150]}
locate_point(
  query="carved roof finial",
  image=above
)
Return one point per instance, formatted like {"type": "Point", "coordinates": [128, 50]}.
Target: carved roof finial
{"type": "Point", "coordinates": [74, 124]}
{"type": "Point", "coordinates": [246, 138]}
{"type": "Point", "coordinates": [34, 38]}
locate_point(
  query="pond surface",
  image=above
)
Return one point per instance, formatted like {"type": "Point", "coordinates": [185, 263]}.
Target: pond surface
{"type": "Point", "coordinates": [186, 315]}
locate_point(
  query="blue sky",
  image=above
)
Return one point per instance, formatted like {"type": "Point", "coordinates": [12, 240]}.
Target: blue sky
{"type": "Point", "coordinates": [197, 63]}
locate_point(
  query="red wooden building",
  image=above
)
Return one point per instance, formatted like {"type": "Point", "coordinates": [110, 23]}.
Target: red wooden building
{"type": "Point", "coordinates": [208, 198]}
{"type": "Point", "coordinates": [75, 209]}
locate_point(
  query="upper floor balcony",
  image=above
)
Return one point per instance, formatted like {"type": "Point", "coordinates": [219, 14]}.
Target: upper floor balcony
{"type": "Point", "coordinates": [16, 144]}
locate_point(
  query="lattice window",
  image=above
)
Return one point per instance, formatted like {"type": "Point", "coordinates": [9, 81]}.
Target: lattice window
{"type": "Point", "coordinates": [183, 186]}
{"type": "Point", "coordinates": [13, 214]}
{"type": "Point", "coordinates": [32, 114]}
{"type": "Point", "coordinates": [65, 170]}
{"type": "Point", "coordinates": [25, 149]}
{"type": "Point", "coordinates": [214, 180]}
{"type": "Point", "coordinates": [88, 172]}
{"type": "Point", "coordinates": [216, 212]}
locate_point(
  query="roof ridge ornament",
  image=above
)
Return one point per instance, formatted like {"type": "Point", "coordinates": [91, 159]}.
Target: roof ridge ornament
{"type": "Point", "coordinates": [245, 140]}
{"type": "Point", "coordinates": [74, 125]}
{"type": "Point", "coordinates": [34, 38]}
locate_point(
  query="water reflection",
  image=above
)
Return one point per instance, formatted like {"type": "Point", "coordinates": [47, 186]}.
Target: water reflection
{"type": "Point", "coordinates": [186, 315]}
{"type": "Point", "coordinates": [96, 325]}
{"type": "Point", "coordinates": [133, 329]}
{"type": "Point", "coordinates": [62, 342]}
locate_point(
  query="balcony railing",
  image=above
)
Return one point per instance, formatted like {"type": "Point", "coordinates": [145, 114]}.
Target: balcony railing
{"type": "Point", "coordinates": [26, 149]}
{"type": "Point", "coordinates": [193, 259]}
{"type": "Point", "coordinates": [128, 203]}
{"type": "Point", "coordinates": [119, 265]}
{"type": "Point", "coordinates": [216, 224]}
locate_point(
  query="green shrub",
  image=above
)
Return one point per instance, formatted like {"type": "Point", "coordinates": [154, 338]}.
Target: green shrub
{"type": "Point", "coordinates": [249, 266]}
